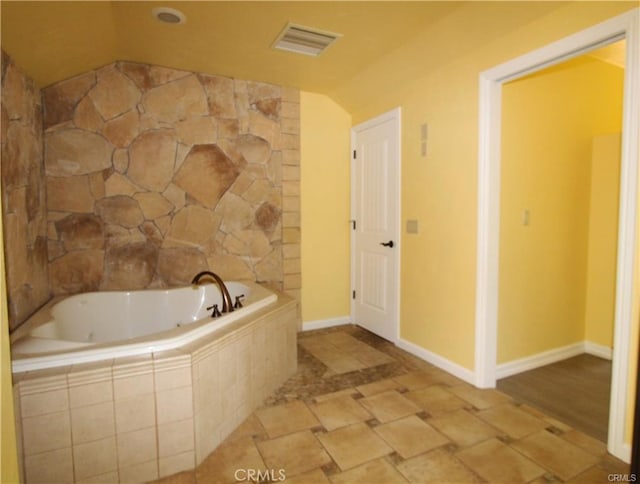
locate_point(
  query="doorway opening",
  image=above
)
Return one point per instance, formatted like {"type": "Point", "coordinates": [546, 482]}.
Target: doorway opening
{"type": "Point", "coordinates": [560, 172]}
{"type": "Point", "coordinates": [625, 26]}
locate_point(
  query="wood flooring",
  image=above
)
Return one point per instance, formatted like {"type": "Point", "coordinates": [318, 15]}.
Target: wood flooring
{"type": "Point", "coordinates": [575, 391]}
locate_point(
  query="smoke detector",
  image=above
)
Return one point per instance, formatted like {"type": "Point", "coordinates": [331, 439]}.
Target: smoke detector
{"type": "Point", "coordinates": [304, 40]}
{"type": "Point", "coordinates": [169, 15]}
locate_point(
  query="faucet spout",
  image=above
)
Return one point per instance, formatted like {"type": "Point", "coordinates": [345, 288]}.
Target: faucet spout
{"type": "Point", "coordinates": [227, 303]}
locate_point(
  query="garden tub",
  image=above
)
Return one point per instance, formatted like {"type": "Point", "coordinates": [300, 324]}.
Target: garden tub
{"type": "Point", "coordinates": [104, 325]}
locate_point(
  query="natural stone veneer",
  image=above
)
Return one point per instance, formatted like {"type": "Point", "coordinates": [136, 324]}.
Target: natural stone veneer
{"type": "Point", "coordinates": [154, 174]}
{"type": "Point", "coordinates": [23, 194]}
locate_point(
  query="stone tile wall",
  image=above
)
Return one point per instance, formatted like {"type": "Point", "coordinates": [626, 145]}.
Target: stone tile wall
{"type": "Point", "coordinates": [154, 174]}
{"type": "Point", "coordinates": [24, 208]}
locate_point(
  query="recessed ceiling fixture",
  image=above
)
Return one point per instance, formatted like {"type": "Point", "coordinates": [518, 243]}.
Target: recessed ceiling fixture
{"type": "Point", "coordinates": [169, 15]}
{"type": "Point", "coordinates": [304, 40]}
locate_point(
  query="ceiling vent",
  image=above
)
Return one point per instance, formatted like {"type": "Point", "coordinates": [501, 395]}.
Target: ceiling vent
{"type": "Point", "coordinates": [304, 40]}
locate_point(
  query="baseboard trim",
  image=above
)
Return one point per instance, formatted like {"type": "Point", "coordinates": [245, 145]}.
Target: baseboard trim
{"type": "Point", "coordinates": [437, 360]}
{"type": "Point", "coordinates": [325, 323]}
{"type": "Point", "coordinates": [600, 351]}
{"type": "Point", "coordinates": [540, 359]}
{"type": "Point", "coordinates": [552, 356]}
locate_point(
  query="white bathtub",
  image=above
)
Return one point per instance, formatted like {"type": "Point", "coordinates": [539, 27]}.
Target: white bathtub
{"type": "Point", "coordinates": [105, 325]}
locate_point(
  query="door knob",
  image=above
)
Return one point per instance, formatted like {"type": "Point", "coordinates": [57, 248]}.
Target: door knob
{"type": "Point", "coordinates": [387, 244]}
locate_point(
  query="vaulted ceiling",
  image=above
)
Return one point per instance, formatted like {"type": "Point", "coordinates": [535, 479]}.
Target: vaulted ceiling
{"type": "Point", "coordinates": [55, 40]}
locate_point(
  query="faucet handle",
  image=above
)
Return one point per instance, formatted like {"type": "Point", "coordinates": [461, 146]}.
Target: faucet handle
{"type": "Point", "coordinates": [238, 303]}
{"type": "Point", "coordinates": [216, 311]}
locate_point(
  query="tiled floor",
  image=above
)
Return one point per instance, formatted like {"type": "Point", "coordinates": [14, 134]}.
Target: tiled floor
{"type": "Point", "coordinates": [361, 410]}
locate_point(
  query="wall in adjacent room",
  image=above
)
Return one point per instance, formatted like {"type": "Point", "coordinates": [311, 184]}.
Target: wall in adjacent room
{"type": "Point", "coordinates": [549, 120]}
{"type": "Point", "coordinates": [603, 239]}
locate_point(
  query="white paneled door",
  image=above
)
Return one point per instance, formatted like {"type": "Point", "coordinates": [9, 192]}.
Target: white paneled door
{"type": "Point", "coordinates": [376, 224]}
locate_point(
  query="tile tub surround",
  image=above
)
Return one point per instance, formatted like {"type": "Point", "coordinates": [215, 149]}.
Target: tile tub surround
{"type": "Point", "coordinates": [154, 174]}
{"type": "Point", "coordinates": [141, 418]}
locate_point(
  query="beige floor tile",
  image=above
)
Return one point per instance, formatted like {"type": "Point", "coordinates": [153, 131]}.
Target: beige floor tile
{"type": "Point", "coordinates": [378, 387]}
{"type": "Point", "coordinates": [436, 400]}
{"type": "Point", "coordinates": [294, 453]}
{"type": "Point", "coordinates": [343, 364]}
{"type": "Point", "coordinates": [376, 471]}
{"type": "Point", "coordinates": [354, 445]}
{"type": "Point", "coordinates": [339, 412]}
{"type": "Point", "coordinates": [562, 458]}
{"type": "Point", "coordinates": [593, 475]}
{"type": "Point", "coordinates": [341, 340]}
{"type": "Point", "coordinates": [389, 406]}
{"type": "Point", "coordinates": [410, 436]}
{"type": "Point", "coordinates": [249, 428]}
{"type": "Point", "coordinates": [479, 398]}
{"type": "Point", "coordinates": [418, 379]}
{"type": "Point", "coordinates": [511, 420]}
{"type": "Point", "coordinates": [463, 428]}
{"type": "Point", "coordinates": [312, 477]}
{"type": "Point", "coordinates": [367, 454]}
{"type": "Point", "coordinates": [443, 377]}
{"type": "Point", "coordinates": [496, 462]}
{"type": "Point", "coordinates": [371, 357]}
{"type": "Point", "coordinates": [287, 418]}
{"type": "Point", "coordinates": [229, 457]}
{"type": "Point", "coordinates": [347, 392]}
{"type": "Point", "coordinates": [436, 467]}
{"type": "Point", "coordinates": [585, 442]}
{"type": "Point", "coordinates": [184, 477]}
{"type": "Point", "coordinates": [343, 353]}
{"type": "Point", "coordinates": [550, 420]}
{"type": "Point", "coordinates": [613, 465]}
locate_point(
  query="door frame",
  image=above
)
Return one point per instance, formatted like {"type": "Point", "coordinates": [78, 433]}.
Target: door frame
{"type": "Point", "coordinates": [625, 26]}
{"type": "Point", "coordinates": [394, 115]}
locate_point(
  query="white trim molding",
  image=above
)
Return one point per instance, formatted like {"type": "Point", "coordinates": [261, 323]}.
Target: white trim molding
{"type": "Point", "coordinates": [601, 351]}
{"type": "Point", "coordinates": [554, 355]}
{"type": "Point", "coordinates": [624, 26]}
{"type": "Point", "coordinates": [325, 323]}
{"type": "Point", "coordinates": [540, 359]}
{"type": "Point", "coordinates": [441, 362]}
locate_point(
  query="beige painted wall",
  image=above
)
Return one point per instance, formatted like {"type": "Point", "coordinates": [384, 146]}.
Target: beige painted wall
{"type": "Point", "coordinates": [325, 142]}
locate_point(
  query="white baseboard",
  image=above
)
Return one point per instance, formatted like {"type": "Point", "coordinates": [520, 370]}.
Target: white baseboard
{"type": "Point", "coordinates": [325, 323]}
{"type": "Point", "coordinates": [552, 356]}
{"type": "Point", "coordinates": [600, 351]}
{"type": "Point", "coordinates": [540, 359]}
{"type": "Point", "coordinates": [437, 360]}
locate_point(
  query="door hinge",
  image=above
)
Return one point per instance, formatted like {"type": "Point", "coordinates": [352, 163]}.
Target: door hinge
{"type": "Point", "coordinates": [353, 224]}
{"type": "Point", "coordinates": [353, 294]}
{"type": "Point", "coordinates": [354, 154]}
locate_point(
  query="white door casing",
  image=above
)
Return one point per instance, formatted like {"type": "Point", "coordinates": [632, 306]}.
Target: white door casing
{"type": "Point", "coordinates": [375, 208]}
{"type": "Point", "coordinates": [625, 26]}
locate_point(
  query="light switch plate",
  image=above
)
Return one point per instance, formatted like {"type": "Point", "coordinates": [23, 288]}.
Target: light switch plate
{"type": "Point", "coordinates": [412, 226]}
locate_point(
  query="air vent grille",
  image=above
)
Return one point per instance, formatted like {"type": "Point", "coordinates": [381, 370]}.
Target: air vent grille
{"type": "Point", "coordinates": [304, 40]}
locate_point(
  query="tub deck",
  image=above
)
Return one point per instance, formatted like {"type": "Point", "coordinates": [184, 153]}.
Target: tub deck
{"type": "Point", "coordinates": [91, 419]}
